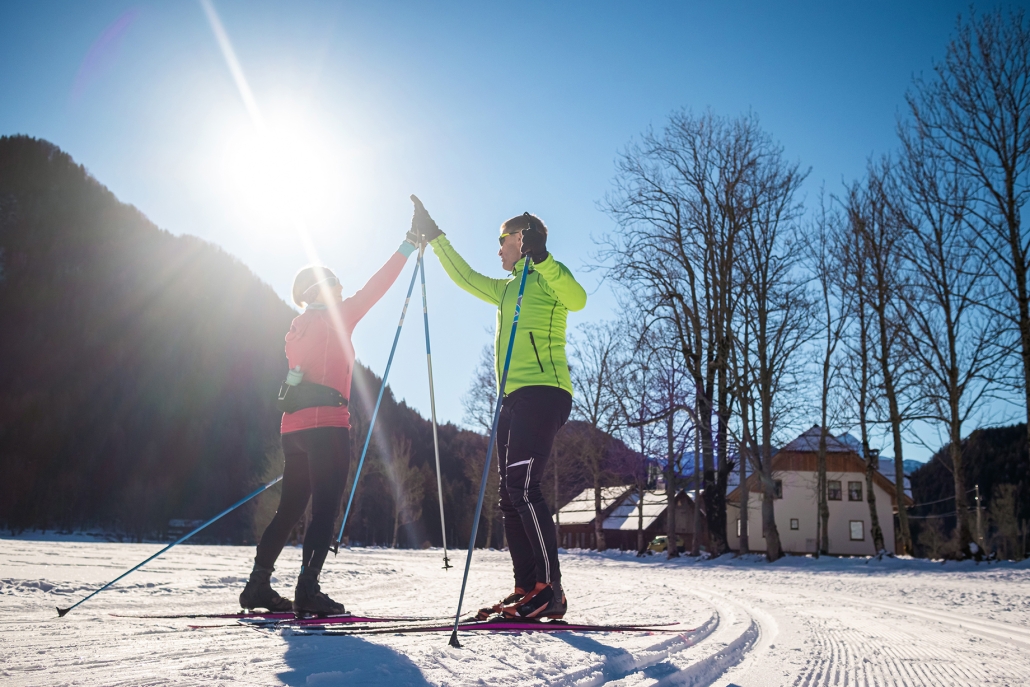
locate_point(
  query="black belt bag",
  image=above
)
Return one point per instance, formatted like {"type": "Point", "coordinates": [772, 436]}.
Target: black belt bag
{"type": "Point", "coordinates": [308, 395]}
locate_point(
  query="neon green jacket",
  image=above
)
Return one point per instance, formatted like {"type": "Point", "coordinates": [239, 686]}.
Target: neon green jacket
{"type": "Point", "coordinates": [538, 358]}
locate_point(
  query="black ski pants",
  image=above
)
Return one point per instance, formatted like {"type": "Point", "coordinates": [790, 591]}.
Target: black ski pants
{"type": "Point", "coordinates": [317, 461]}
{"type": "Point", "coordinates": [530, 419]}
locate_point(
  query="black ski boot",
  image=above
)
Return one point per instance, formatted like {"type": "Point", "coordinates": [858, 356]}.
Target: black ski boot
{"type": "Point", "coordinates": [512, 598]}
{"type": "Point", "coordinates": [309, 599]}
{"type": "Point", "coordinates": [545, 601]}
{"type": "Point", "coordinates": [259, 593]}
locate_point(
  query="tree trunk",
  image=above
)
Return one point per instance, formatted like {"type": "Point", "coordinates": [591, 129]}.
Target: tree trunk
{"type": "Point", "coordinates": [745, 495]}
{"type": "Point", "coordinates": [704, 426]}
{"type": "Point", "coordinates": [641, 490]}
{"type": "Point", "coordinates": [717, 512]}
{"type": "Point", "coordinates": [895, 419]}
{"type": "Point", "coordinates": [822, 504]}
{"type": "Point", "coordinates": [557, 509]}
{"type": "Point", "coordinates": [396, 528]}
{"type": "Point", "coordinates": [598, 521]}
{"type": "Point", "coordinates": [963, 536]}
{"type": "Point", "coordinates": [823, 542]}
{"type": "Point", "coordinates": [672, 551]}
{"type": "Point", "coordinates": [871, 464]}
{"type": "Point", "coordinates": [695, 545]}
{"type": "Point", "coordinates": [872, 461]}
{"type": "Point", "coordinates": [773, 550]}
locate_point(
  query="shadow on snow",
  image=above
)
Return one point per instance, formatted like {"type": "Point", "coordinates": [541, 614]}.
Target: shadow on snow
{"type": "Point", "coordinates": [327, 661]}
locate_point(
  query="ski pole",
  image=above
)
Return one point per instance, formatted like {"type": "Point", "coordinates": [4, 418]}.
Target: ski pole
{"type": "Point", "coordinates": [375, 411]}
{"type": "Point", "coordinates": [490, 451]}
{"type": "Point", "coordinates": [61, 612]}
{"type": "Point", "coordinates": [432, 405]}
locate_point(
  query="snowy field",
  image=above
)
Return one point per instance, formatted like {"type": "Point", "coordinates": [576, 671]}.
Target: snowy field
{"type": "Point", "coordinates": [744, 622]}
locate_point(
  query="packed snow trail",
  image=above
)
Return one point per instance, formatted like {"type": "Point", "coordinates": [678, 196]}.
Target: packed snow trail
{"type": "Point", "coordinates": [796, 622]}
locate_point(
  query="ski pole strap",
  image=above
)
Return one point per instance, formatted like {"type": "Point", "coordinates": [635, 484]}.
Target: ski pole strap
{"type": "Point", "coordinates": [490, 451]}
{"type": "Point", "coordinates": [375, 411]}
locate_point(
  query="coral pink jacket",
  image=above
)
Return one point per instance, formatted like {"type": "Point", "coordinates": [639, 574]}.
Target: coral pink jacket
{"type": "Point", "coordinates": [319, 342]}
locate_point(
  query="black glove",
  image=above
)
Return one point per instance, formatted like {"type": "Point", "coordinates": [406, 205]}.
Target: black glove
{"type": "Point", "coordinates": [534, 244]}
{"type": "Point", "coordinates": [421, 223]}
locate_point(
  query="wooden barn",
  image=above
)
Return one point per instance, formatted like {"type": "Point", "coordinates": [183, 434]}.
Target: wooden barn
{"type": "Point", "coordinates": [621, 513]}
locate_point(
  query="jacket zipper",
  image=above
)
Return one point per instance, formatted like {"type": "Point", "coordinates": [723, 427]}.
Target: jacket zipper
{"type": "Point", "coordinates": [536, 352]}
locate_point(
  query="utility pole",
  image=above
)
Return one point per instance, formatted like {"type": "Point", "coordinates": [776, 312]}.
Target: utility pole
{"type": "Point", "coordinates": [979, 521]}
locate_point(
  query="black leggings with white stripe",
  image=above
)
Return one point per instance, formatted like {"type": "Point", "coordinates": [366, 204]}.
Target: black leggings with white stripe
{"type": "Point", "coordinates": [530, 418]}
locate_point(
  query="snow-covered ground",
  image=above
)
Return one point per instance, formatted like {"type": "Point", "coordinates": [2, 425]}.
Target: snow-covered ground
{"type": "Point", "coordinates": [745, 622]}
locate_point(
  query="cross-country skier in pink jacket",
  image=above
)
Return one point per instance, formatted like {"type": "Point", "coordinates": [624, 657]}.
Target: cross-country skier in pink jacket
{"type": "Point", "coordinates": [316, 440]}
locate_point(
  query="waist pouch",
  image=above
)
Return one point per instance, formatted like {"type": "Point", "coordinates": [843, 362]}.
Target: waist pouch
{"type": "Point", "coordinates": [308, 395]}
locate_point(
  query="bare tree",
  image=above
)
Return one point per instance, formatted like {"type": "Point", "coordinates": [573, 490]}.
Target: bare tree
{"type": "Point", "coordinates": [777, 313]}
{"type": "Point", "coordinates": [636, 403]}
{"type": "Point", "coordinates": [662, 410]}
{"type": "Point", "coordinates": [478, 401]}
{"type": "Point", "coordinates": [681, 204]}
{"type": "Point", "coordinates": [598, 360]}
{"type": "Point", "coordinates": [407, 485]}
{"type": "Point", "coordinates": [953, 335]}
{"type": "Point", "coordinates": [880, 235]}
{"type": "Point", "coordinates": [859, 363]}
{"type": "Point", "coordinates": [974, 112]}
{"type": "Point", "coordinates": [828, 268]}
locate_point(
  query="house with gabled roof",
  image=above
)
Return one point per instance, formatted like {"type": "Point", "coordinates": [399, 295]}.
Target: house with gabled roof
{"type": "Point", "coordinates": [622, 517]}
{"type": "Point", "coordinates": [795, 471]}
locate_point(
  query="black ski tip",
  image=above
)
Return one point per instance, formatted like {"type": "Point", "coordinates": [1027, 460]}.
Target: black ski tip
{"type": "Point", "coordinates": [336, 547]}
{"type": "Point", "coordinates": [61, 612]}
{"type": "Point", "coordinates": [454, 640]}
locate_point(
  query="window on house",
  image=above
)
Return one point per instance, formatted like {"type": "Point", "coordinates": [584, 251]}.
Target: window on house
{"type": "Point", "coordinates": [778, 489]}
{"type": "Point", "coordinates": [793, 523]}
{"type": "Point", "coordinates": [738, 527]}
{"type": "Point", "coordinates": [854, 491]}
{"type": "Point", "coordinates": [857, 530]}
{"type": "Point", "coordinates": [833, 490]}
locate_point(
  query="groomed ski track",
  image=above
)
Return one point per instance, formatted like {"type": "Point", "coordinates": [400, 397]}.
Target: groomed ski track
{"type": "Point", "coordinates": [796, 622]}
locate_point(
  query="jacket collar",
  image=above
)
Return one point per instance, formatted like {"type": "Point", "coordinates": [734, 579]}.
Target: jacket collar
{"type": "Point", "coordinates": [517, 270]}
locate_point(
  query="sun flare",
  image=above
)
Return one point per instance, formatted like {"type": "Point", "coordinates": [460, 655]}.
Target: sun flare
{"type": "Point", "coordinates": [279, 175]}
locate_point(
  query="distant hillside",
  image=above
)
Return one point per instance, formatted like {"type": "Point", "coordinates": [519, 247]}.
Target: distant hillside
{"type": "Point", "coordinates": [138, 371]}
{"type": "Point", "coordinates": [994, 459]}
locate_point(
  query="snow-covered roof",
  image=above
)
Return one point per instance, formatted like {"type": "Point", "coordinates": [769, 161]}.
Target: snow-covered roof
{"type": "Point", "coordinates": [886, 468]}
{"type": "Point", "coordinates": [809, 442]}
{"type": "Point", "coordinates": [625, 515]}
{"type": "Point", "coordinates": [885, 463]}
{"type": "Point", "coordinates": [580, 510]}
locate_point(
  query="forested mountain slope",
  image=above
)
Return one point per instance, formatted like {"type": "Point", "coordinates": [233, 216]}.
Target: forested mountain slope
{"type": "Point", "coordinates": [138, 369]}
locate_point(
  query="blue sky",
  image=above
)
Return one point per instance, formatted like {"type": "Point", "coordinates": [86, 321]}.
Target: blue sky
{"type": "Point", "coordinates": [485, 110]}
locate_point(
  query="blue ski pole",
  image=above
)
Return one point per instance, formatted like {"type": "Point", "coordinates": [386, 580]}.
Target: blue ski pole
{"type": "Point", "coordinates": [61, 612]}
{"type": "Point", "coordinates": [490, 451]}
{"type": "Point", "coordinates": [432, 408]}
{"type": "Point", "coordinates": [375, 411]}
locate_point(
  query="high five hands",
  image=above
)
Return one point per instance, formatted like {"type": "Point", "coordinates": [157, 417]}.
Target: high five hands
{"type": "Point", "coordinates": [422, 224]}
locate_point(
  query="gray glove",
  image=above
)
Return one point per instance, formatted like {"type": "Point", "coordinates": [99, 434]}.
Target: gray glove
{"type": "Point", "coordinates": [421, 223]}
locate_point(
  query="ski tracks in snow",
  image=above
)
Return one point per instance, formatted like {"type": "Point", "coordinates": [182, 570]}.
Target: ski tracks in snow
{"type": "Point", "coordinates": [798, 622]}
{"type": "Point", "coordinates": [879, 643]}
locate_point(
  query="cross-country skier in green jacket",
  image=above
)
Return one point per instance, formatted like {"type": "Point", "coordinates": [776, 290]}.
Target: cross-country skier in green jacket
{"type": "Point", "coordinates": [538, 395]}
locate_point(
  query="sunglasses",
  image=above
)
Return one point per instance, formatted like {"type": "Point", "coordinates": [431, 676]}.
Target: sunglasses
{"type": "Point", "coordinates": [500, 239]}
